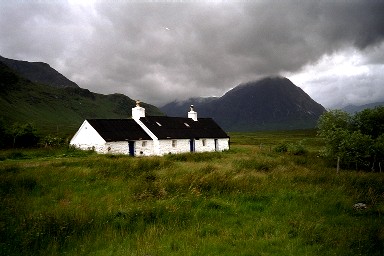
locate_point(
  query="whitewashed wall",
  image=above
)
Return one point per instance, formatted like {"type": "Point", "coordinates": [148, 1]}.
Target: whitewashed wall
{"type": "Point", "coordinates": [87, 138]}
{"type": "Point", "coordinates": [146, 150]}
{"type": "Point", "coordinates": [182, 146]}
{"type": "Point", "coordinates": [223, 144]}
{"type": "Point", "coordinates": [208, 147]}
{"type": "Point", "coordinates": [122, 147]}
{"type": "Point", "coordinates": [116, 147]}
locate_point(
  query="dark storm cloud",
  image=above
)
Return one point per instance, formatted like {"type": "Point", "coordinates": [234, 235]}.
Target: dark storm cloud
{"type": "Point", "coordinates": [34, 29]}
{"type": "Point", "coordinates": [159, 52]}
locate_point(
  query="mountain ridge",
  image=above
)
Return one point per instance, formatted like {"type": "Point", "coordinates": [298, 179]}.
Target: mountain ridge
{"type": "Point", "coordinates": [352, 109]}
{"type": "Point", "coordinates": [266, 104]}
{"type": "Point", "coordinates": [272, 103]}
{"type": "Point", "coordinates": [57, 110]}
{"type": "Point", "coordinates": [38, 72]}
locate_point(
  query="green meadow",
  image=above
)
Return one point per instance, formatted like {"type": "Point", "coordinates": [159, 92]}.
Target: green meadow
{"type": "Point", "coordinates": [272, 193]}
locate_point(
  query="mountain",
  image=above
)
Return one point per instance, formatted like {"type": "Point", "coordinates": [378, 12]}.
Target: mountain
{"type": "Point", "coordinates": [180, 108]}
{"type": "Point", "coordinates": [36, 93]}
{"type": "Point", "coordinates": [352, 109]}
{"type": "Point", "coordinates": [273, 103]}
{"type": "Point", "coordinates": [57, 110]}
{"type": "Point", "coordinates": [38, 72]}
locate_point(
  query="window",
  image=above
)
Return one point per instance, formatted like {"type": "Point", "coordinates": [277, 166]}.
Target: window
{"type": "Point", "coordinates": [174, 143]}
{"type": "Point", "coordinates": [204, 142]}
{"type": "Point", "coordinates": [143, 143]}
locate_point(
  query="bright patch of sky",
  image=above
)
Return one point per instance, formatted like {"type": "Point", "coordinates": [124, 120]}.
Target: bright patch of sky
{"type": "Point", "coordinates": [343, 78]}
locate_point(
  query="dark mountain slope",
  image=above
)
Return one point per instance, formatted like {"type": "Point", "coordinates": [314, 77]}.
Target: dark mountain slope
{"type": "Point", "coordinates": [57, 109]}
{"type": "Point", "coordinates": [268, 104]}
{"type": "Point", "coordinates": [271, 103]}
{"type": "Point", "coordinates": [180, 108]}
{"type": "Point", "coordinates": [38, 72]}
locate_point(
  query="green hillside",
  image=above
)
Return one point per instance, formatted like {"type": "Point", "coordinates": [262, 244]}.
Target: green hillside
{"type": "Point", "coordinates": [57, 110]}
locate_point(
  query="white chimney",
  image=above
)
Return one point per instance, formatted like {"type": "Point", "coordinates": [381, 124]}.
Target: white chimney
{"type": "Point", "coordinates": [192, 114]}
{"type": "Point", "coordinates": [138, 111]}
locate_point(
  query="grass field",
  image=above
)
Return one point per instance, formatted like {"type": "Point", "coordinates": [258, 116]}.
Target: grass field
{"type": "Point", "coordinates": [255, 199]}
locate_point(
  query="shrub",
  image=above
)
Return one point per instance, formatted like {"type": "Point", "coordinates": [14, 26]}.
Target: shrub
{"type": "Point", "coordinates": [297, 149]}
{"type": "Point", "coordinates": [52, 141]}
{"type": "Point", "coordinates": [281, 148]}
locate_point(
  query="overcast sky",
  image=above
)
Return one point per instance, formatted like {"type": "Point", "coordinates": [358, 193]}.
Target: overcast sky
{"type": "Point", "coordinates": [159, 51]}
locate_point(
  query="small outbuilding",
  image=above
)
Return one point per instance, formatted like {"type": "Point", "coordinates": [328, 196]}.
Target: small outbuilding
{"type": "Point", "coordinates": [151, 135]}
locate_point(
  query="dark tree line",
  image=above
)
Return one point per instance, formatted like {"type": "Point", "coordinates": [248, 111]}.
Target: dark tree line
{"type": "Point", "coordinates": [18, 135]}
{"type": "Point", "coordinates": [25, 135]}
{"type": "Point", "coordinates": [357, 140]}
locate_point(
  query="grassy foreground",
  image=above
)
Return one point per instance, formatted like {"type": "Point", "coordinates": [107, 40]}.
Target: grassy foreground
{"type": "Point", "coordinates": [250, 200]}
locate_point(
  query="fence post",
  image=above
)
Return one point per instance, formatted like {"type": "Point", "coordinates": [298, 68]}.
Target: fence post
{"type": "Point", "coordinates": [338, 165]}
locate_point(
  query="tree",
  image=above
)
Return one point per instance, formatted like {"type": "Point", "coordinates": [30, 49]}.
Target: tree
{"type": "Point", "coordinates": [357, 139]}
{"type": "Point", "coordinates": [4, 135]}
{"type": "Point", "coordinates": [333, 127]}
{"type": "Point", "coordinates": [333, 120]}
{"type": "Point", "coordinates": [370, 121]}
{"type": "Point", "coordinates": [24, 135]}
{"type": "Point", "coordinates": [356, 148]}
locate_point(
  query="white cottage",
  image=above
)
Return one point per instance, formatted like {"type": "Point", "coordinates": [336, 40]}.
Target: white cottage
{"type": "Point", "coordinates": [151, 135]}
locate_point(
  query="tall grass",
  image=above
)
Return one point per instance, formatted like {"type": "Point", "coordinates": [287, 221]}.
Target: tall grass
{"type": "Point", "coordinates": [250, 200]}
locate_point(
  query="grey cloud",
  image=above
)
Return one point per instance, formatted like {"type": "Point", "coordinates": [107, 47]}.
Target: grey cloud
{"type": "Point", "coordinates": [356, 91]}
{"type": "Point", "coordinates": [30, 29]}
{"type": "Point", "coordinates": [164, 51]}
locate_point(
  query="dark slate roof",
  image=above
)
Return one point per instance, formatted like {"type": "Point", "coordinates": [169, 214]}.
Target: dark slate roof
{"type": "Point", "coordinates": [183, 128]}
{"type": "Point", "coordinates": [119, 129]}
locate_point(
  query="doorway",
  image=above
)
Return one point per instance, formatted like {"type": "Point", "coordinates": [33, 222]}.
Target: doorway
{"type": "Point", "coordinates": [131, 147]}
{"type": "Point", "coordinates": [192, 145]}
